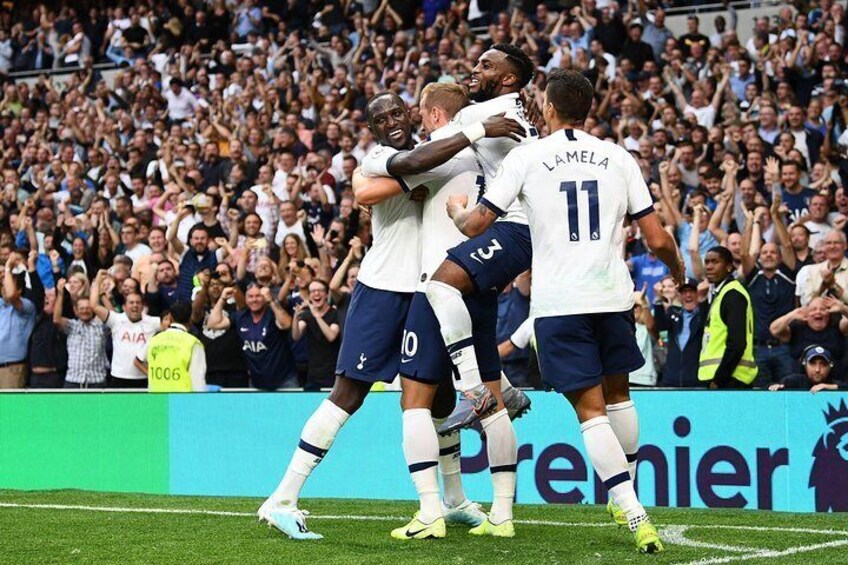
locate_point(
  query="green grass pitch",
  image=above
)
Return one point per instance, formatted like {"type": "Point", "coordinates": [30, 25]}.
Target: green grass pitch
{"type": "Point", "coordinates": [85, 527]}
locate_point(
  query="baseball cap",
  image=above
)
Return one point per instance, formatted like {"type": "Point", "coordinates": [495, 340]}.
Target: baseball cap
{"type": "Point", "coordinates": [690, 283]}
{"type": "Point", "coordinates": [817, 351]}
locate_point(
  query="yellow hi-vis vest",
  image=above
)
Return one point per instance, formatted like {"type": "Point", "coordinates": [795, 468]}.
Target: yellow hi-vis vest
{"type": "Point", "coordinates": [168, 360]}
{"type": "Point", "coordinates": [715, 340]}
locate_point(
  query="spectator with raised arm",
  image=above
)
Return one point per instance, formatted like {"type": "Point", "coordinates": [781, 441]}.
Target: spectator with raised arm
{"type": "Point", "coordinates": [87, 362]}
{"type": "Point", "coordinates": [131, 332]}
{"type": "Point", "coordinates": [17, 319]}
{"type": "Point", "coordinates": [318, 321]}
{"type": "Point", "coordinates": [263, 330]}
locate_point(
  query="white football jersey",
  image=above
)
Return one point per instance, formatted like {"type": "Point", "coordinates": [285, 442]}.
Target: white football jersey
{"type": "Point", "coordinates": [394, 260]}
{"type": "Point", "coordinates": [460, 175]}
{"type": "Point", "coordinates": [576, 190]}
{"type": "Point", "coordinates": [490, 151]}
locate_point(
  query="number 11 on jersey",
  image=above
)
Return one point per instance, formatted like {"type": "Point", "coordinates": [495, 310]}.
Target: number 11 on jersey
{"type": "Point", "coordinates": [571, 194]}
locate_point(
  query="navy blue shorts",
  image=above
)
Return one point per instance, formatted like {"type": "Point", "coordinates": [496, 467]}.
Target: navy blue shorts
{"type": "Point", "coordinates": [370, 349]}
{"type": "Point", "coordinates": [576, 351]}
{"type": "Point", "coordinates": [494, 258]}
{"type": "Point", "coordinates": [425, 358]}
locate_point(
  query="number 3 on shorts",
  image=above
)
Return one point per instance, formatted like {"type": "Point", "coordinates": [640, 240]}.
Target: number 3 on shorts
{"type": "Point", "coordinates": [485, 254]}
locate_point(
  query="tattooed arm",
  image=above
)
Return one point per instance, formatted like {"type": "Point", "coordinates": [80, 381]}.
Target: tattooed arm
{"type": "Point", "coordinates": [471, 222]}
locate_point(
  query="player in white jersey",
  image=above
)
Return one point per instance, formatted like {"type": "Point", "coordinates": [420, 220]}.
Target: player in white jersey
{"type": "Point", "coordinates": [577, 191]}
{"type": "Point", "coordinates": [491, 260]}
{"type": "Point", "coordinates": [425, 364]}
{"type": "Point", "coordinates": [387, 278]}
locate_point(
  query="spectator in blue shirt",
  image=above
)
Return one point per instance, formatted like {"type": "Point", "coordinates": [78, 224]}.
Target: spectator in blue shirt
{"type": "Point", "coordinates": [647, 269]}
{"type": "Point", "coordinates": [740, 81]}
{"type": "Point", "coordinates": [248, 19]}
{"type": "Point", "coordinates": [17, 318]}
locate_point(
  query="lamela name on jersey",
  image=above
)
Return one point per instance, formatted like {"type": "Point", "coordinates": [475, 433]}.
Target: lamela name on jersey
{"type": "Point", "coordinates": [584, 157]}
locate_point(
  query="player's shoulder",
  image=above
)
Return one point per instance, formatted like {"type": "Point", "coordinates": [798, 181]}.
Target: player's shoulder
{"type": "Point", "coordinates": [380, 151]}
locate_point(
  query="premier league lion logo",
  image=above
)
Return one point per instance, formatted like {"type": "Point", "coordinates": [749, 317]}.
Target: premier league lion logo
{"type": "Point", "coordinates": [829, 475]}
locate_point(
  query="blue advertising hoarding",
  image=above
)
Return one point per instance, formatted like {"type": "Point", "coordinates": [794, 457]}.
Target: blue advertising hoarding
{"type": "Point", "coordinates": [779, 451]}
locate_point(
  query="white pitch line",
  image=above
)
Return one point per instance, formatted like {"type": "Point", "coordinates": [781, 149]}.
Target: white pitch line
{"type": "Point", "coordinates": [675, 535]}
{"type": "Point", "coordinates": [768, 553]}
{"type": "Point", "coordinates": [201, 512]}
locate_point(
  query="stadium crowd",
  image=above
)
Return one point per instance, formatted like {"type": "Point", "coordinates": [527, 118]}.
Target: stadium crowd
{"type": "Point", "coordinates": [213, 168]}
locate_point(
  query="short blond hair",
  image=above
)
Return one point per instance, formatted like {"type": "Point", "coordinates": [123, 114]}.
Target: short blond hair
{"type": "Point", "coordinates": [450, 97]}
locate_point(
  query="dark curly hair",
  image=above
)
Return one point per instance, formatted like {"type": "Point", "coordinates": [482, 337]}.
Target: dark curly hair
{"type": "Point", "coordinates": [521, 62]}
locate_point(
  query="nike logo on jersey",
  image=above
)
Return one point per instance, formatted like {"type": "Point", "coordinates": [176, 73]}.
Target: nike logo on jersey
{"type": "Point", "coordinates": [244, 329]}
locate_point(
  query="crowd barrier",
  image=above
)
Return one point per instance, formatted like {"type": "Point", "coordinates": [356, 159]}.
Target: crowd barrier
{"type": "Point", "coordinates": [758, 450]}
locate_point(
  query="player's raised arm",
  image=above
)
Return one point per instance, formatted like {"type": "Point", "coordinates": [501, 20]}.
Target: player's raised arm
{"type": "Point", "coordinates": [434, 153]}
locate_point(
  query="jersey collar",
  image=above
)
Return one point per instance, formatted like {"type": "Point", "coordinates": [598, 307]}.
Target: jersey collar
{"type": "Point", "coordinates": [572, 134]}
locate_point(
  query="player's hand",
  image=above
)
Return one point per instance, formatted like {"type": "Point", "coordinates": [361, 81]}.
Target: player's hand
{"type": "Point", "coordinates": [419, 194]}
{"type": "Point", "coordinates": [679, 276]}
{"type": "Point", "coordinates": [500, 126]}
{"type": "Point", "coordinates": [456, 203]}
{"type": "Point", "coordinates": [823, 386]}
{"type": "Point", "coordinates": [776, 386]}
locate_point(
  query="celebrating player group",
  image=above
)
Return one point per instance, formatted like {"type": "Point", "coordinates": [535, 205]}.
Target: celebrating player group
{"type": "Point", "coordinates": [425, 305]}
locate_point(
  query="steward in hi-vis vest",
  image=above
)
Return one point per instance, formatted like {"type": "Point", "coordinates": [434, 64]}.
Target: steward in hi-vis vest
{"type": "Point", "coordinates": [174, 359]}
{"type": "Point", "coordinates": [727, 353]}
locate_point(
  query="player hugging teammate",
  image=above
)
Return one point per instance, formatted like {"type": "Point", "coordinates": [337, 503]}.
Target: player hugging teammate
{"type": "Point", "coordinates": [573, 209]}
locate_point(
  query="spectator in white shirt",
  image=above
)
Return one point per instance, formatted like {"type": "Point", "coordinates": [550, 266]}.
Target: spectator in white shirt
{"type": "Point", "coordinates": [289, 223]}
{"type": "Point", "coordinates": [133, 248]}
{"type": "Point", "coordinates": [817, 223]}
{"type": "Point", "coordinates": [131, 330]}
{"type": "Point", "coordinates": [181, 102]}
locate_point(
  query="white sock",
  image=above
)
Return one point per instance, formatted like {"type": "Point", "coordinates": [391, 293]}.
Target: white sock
{"type": "Point", "coordinates": [449, 467]}
{"type": "Point", "coordinates": [455, 322]}
{"type": "Point", "coordinates": [501, 447]}
{"type": "Point", "coordinates": [608, 459]}
{"type": "Point", "coordinates": [625, 425]}
{"type": "Point", "coordinates": [421, 450]}
{"type": "Point", "coordinates": [505, 384]}
{"type": "Point", "coordinates": [315, 440]}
